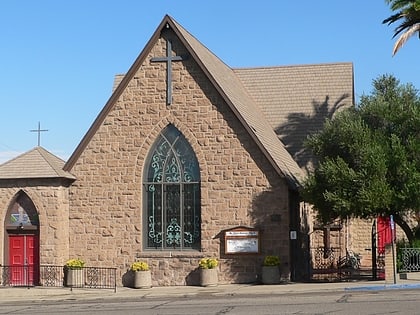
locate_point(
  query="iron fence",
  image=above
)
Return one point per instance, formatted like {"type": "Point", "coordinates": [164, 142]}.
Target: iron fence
{"type": "Point", "coordinates": [324, 264]}
{"type": "Point", "coordinates": [325, 258]}
{"type": "Point", "coordinates": [58, 276]}
{"type": "Point", "coordinates": [410, 259]}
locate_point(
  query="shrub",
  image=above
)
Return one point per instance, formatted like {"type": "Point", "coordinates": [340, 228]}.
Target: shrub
{"type": "Point", "coordinates": [271, 260]}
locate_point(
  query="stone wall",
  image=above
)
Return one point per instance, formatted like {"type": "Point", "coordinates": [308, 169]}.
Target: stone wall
{"type": "Point", "coordinates": [359, 240]}
{"type": "Point", "coordinates": [50, 197]}
{"type": "Point", "coordinates": [390, 264]}
{"type": "Point", "coordinates": [239, 187]}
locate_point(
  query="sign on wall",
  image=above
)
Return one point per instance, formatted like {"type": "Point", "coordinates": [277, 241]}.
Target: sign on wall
{"type": "Point", "coordinates": [242, 240]}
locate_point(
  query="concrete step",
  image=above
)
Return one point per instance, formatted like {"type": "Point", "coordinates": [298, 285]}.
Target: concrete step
{"type": "Point", "coordinates": [409, 275]}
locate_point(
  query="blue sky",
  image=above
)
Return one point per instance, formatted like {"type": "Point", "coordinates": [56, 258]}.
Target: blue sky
{"type": "Point", "coordinates": [58, 59]}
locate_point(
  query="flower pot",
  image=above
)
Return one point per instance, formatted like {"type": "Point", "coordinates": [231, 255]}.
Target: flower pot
{"type": "Point", "coordinates": [270, 275]}
{"type": "Point", "coordinates": [208, 277]}
{"type": "Point", "coordinates": [74, 278]}
{"type": "Point", "coordinates": [142, 279]}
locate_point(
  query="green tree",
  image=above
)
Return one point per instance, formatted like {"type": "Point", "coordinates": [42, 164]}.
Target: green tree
{"type": "Point", "coordinates": [408, 13]}
{"type": "Point", "coordinates": [369, 158]}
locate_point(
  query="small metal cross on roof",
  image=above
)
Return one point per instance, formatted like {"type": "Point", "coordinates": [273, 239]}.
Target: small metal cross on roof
{"type": "Point", "coordinates": [39, 130]}
{"type": "Point", "coordinates": [168, 59]}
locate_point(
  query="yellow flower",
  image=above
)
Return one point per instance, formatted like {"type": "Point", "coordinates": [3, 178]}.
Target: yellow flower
{"type": "Point", "coordinates": [139, 266]}
{"type": "Point", "coordinates": [208, 263]}
{"type": "Point", "coordinates": [76, 263]}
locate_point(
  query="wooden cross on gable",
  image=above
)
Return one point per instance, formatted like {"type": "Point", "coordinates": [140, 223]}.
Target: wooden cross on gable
{"type": "Point", "coordinates": [168, 59]}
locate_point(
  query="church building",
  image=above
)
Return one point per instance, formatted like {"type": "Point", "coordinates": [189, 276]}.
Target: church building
{"type": "Point", "coordinates": [189, 158]}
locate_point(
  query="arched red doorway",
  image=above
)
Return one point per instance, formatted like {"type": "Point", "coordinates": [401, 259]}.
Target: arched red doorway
{"type": "Point", "coordinates": [22, 242]}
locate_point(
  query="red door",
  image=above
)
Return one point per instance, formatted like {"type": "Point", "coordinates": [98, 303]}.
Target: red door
{"type": "Point", "coordinates": [23, 257]}
{"type": "Point", "coordinates": [384, 233]}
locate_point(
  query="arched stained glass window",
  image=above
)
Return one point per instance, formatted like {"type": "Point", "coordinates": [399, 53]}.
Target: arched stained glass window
{"type": "Point", "coordinates": [172, 190]}
{"type": "Point", "coordinates": [22, 212]}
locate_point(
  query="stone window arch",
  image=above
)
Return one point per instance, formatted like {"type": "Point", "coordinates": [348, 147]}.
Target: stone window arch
{"type": "Point", "coordinates": [172, 194]}
{"type": "Point", "coordinates": [22, 213]}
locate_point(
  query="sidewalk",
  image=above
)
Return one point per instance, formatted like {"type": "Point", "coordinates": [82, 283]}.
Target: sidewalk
{"type": "Point", "coordinates": [12, 294]}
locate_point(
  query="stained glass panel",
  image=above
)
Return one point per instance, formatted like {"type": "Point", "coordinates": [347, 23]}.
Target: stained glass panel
{"type": "Point", "coordinates": [23, 212]}
{"type": "Point", "coordinates": [173, 194]}
{"type": "Point", "coordinates": [154, 216]}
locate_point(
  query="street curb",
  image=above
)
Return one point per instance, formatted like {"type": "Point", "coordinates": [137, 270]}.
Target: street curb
{"type": "Point", "coordinates": [385, 287]}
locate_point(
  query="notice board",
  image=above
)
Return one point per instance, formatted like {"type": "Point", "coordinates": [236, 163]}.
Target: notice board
{"type": "Point", "coordinates": [242, 240]}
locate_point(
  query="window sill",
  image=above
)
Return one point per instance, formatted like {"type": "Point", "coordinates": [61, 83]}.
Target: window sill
{"type": "Point", "coordinates": [169, 254]}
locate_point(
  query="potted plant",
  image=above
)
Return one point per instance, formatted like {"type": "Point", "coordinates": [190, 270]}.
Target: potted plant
{"type": "Point", "coordinates": [73, 272]}
{"type": "Point", "coordinates": [270, 270]}
{"type": "Point", "coordinates": [142, 278]}
{"type": "Point", "coordinates": [208, 271]}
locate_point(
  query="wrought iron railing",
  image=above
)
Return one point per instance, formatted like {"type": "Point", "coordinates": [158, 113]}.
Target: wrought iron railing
{"type": "Point", "coordinates": [58, 276]}
{"type": "Point", "coordinates": [410, 259]}
{"type": "Point", "coordinates": [325, 258]}
{"type": "Point", "coordinates": [324, 264]}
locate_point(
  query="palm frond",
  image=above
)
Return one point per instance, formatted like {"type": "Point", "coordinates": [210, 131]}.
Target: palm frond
{"type": "Point", "coordinates": [405, 37]}
{"type": "Point", "coordinates": [404, 27]}
{"type": "Point", "coordinates": [401, 4]}
{"type": "Point", "coordinates": [393, 18]}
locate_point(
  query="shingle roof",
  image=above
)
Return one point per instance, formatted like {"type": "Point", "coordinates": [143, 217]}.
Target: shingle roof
{"type": "Point", "coordinates": [36, 163]}
{"type": "Point", "coordinates": [235, 94]}
{"type": "Point", "coordinates": [296, 100]}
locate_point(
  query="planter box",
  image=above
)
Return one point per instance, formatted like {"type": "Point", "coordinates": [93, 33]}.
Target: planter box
{"type": "Point", "coordinates": [209, 277]}
{"type": "Point", "coordinates": [270, 275]}
{"type": "Point", "coordinates": [74, 278]}
{"type": "Point", "coordinates": [142, 279]}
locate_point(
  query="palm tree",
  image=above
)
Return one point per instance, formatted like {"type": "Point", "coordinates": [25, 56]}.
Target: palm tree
{"type": "Point", "coordinates": [408, 13]}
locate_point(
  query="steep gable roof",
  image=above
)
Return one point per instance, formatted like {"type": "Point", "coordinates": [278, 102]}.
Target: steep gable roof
{"type": "Point", "coordinates": [231, 89]}
{"type": "Point", "coordinates": [36, 163]}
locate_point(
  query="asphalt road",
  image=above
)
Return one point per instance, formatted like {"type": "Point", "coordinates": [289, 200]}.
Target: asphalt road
{"type": "Point", "coordinates": [358, 302]}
